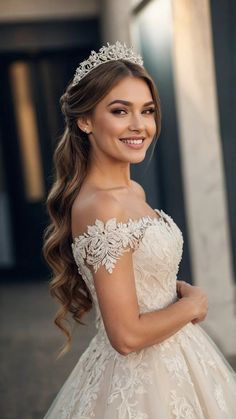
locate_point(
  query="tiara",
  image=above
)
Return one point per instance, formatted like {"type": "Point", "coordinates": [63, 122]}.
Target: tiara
{"type": "Point", "coordinates": [113, 52]}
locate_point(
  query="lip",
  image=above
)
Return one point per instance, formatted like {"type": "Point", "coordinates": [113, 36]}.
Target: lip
{"type": "Point", "coordinates": [134, 146]}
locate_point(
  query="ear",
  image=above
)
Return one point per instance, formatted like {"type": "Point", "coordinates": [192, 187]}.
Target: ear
{"type": "Point", "coordinates": [84, 123]}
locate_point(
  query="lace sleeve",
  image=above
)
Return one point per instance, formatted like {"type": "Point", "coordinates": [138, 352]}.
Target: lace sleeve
{"type": "Point", "coordinates": [104, 243]}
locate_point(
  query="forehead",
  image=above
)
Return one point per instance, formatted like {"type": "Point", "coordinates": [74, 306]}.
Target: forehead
{"type": "Point", "coordinates": [131, 89]}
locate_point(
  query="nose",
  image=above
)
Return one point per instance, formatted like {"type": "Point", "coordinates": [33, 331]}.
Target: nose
{"type": "Point", "coordinates": [136, 123]}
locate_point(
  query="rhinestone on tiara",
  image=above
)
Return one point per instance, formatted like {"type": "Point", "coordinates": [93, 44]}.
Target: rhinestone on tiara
{"type": "Point", "coordinates": [113, 52]}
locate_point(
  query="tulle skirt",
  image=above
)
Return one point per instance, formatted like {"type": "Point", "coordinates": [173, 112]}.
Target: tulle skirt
{"type": "Point", "coordinates": [184, 377]}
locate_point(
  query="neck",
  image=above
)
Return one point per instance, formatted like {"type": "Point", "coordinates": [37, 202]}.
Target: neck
{"type": "Point", "coordinates": [113, 174]}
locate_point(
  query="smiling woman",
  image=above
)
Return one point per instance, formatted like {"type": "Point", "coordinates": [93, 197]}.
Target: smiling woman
{"type": "Point", "coordinates": [91, 158]}
{"type": "Point", "coordinates": [150, 359]}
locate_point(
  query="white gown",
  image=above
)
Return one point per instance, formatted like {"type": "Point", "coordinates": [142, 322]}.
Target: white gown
{"type": "Point", "coordinates": [184, 377]}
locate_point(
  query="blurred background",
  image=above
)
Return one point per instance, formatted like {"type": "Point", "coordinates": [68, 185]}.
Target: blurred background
{"type": "Point", "coordinates": [189, 47]}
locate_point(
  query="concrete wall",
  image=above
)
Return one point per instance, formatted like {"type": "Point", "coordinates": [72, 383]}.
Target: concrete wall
{"type": "Point", "coordinates": [202, 157]}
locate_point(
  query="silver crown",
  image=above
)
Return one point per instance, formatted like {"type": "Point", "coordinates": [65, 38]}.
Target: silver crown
{"type": "Point", "coordinates": [113, 52]}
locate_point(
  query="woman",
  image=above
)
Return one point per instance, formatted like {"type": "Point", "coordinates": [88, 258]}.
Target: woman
{"type": "Point", "coordinates": [106, 246]}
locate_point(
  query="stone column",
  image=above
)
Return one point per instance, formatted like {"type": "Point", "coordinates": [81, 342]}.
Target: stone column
{"type": "Point", "coordinates": [115, 20]}
{"type": "Point", "coordinates": [204, 183]}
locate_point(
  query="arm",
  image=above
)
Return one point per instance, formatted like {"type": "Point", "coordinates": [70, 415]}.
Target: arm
{"type": "Point", "coordinates": [127, 329]}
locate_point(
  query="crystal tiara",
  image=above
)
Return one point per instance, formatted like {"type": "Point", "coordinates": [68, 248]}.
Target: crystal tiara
{"type": "Point", "coordinates": [113, 52]}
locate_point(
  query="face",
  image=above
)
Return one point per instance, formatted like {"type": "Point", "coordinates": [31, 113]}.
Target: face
{"type": "Point", "coordinates": [123, 124]}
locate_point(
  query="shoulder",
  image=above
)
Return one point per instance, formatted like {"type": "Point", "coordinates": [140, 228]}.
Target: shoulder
{"type": "Point", "coordinates": [100, 233]}
{"type": "Point", "coordinates": [139, 189]}
{"type": "Point", "coordinates": [102, 206]}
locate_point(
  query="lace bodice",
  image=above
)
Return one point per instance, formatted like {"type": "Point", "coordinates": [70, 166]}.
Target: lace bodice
{"type": "Point", "coordinates": [156, 243]}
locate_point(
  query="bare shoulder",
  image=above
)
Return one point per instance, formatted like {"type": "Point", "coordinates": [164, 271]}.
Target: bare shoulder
{"type": "Point", "coordinates": [101, 205]}
{"type": "Point", "coordinates": [139, 189]}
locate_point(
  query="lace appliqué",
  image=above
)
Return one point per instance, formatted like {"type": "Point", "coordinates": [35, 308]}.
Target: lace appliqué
{"type": "Point", "coordinates": [181, 408]}
{"type": "Point", "coordinates": [105, 243]}
{"type": "Point", "coordinates": [178, 369]}
{"type": "Point", "coordinates": [92, 363]}
{"type": "Point", "coordinates": [220, 398]}
{"type": "Point", "coordinates": [132, 379]}
{"type": "Point", "coordinates": [179, 373]}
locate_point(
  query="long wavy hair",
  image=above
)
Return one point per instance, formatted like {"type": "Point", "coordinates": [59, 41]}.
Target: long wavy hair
{"type": "Point", "coordinates": [70, 163]}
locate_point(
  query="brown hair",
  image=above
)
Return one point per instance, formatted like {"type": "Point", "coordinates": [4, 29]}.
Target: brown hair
{"type": "Point", "coordinates": [70, 168]}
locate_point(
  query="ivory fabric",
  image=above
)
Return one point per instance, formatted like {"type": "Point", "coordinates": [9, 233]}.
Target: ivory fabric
{"type": "Point", "coordinates": [184, 377]}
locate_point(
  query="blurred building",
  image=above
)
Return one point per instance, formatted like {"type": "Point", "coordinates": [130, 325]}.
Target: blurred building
{"type": "Point", "coordinates": [189, 49]}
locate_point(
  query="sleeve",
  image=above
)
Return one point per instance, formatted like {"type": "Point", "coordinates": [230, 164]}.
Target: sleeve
{"type": "Point", "coordinates": [104, 243]}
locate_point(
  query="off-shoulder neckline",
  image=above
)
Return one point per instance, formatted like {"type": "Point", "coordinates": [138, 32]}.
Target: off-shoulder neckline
{"type": "Point", "coordinates": [143, 218]}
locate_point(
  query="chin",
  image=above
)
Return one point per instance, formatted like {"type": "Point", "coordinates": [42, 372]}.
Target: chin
{"type": "Point", "coordinates": [132, 158]}
{"type": "Point", "coordinates": [137, 159]}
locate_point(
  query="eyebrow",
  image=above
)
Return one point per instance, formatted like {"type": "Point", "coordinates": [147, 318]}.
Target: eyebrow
{"type": "Point", "coordinates": [127, 103]}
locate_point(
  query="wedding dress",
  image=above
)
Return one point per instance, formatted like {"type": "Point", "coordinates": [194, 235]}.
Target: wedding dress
{"type": "Point", "coordinates": [184, 377]}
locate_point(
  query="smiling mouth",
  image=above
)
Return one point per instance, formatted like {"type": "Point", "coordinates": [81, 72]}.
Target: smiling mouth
{"type": "Point", "coordinates": [132, 140]}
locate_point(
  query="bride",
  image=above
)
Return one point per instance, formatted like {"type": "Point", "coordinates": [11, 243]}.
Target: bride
{"type": "Point", "coordinates": [150, 358]}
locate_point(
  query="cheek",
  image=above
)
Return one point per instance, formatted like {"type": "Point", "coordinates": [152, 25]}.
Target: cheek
{"type": "Point", "coordinates": [152, 126]}
{"type": "Point", "coordinates": [109, 125]}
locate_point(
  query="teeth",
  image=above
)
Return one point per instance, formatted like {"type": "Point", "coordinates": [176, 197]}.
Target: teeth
{"type": "Point", "coordinates": [132, 141]}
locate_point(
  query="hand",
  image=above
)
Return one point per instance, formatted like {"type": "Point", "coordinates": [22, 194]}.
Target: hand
{"type": "Point", "coordinates": [180, 287]}
{"type": "Point", "coordinates": [197, 296]}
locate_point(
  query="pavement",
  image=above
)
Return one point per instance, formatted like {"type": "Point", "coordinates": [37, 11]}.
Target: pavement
{"type": "Point", "coordinates": [30, 375]}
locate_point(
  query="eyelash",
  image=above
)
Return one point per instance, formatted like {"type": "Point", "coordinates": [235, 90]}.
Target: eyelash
{"type": "Point", "coordinates": [117, 111]}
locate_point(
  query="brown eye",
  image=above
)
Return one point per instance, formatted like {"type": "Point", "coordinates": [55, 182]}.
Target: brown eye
{"type": "Point", "coordinates": [118, 111]}
{"type": "Point", "coordinates": [149, 111]}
